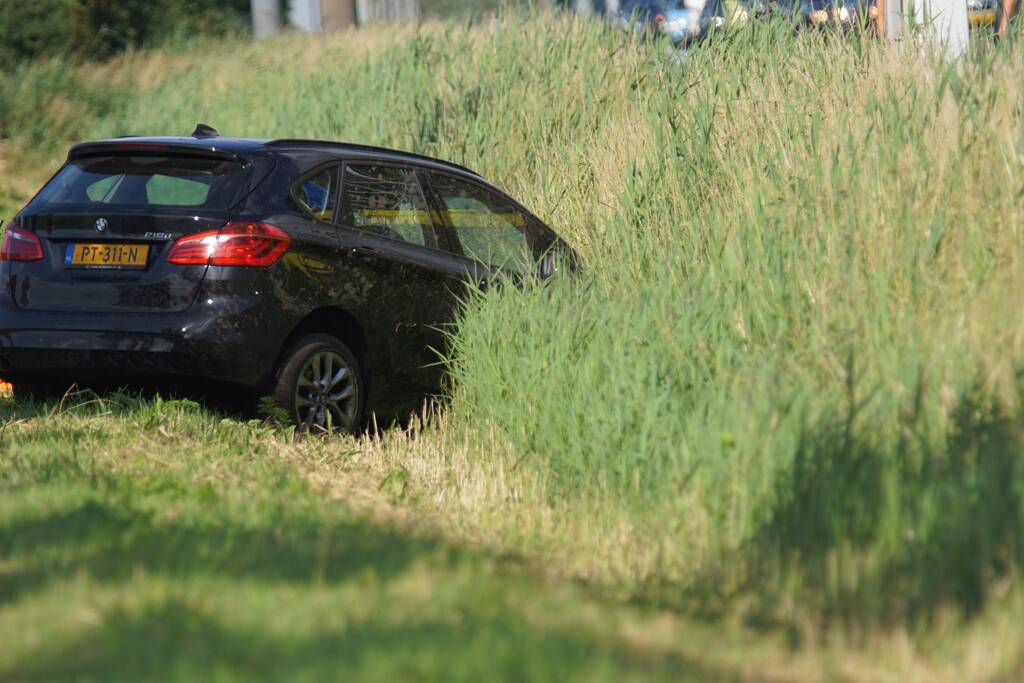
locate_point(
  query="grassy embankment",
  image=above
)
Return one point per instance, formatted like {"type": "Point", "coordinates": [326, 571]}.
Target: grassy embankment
{"type": "Point", "coordinates": [784, 399]}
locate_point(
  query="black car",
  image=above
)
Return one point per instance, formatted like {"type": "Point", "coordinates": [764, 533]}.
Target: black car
{"type": "Point", "coordinates": [322, 274]}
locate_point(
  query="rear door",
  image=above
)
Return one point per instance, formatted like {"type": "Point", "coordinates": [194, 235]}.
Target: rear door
{"type": "Point", "coordinates": [388, 226]}
{"type": "Point", "coordinates": [106, 222]}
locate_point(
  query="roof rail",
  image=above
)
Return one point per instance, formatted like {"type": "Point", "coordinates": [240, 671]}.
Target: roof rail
{"type": "Point", "coordinates": [296, 142]}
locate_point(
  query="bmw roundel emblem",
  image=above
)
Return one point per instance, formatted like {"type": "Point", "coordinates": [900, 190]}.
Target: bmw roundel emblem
{"type": "Point", "coordinates": [101, 225]}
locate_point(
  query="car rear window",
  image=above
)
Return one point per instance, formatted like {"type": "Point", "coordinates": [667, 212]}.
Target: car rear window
{"type": "Point", "coordinates": [144, 181]}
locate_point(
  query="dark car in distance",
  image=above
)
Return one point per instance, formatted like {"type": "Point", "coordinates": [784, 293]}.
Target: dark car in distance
{"type": "Point", "coordinates": [322, 274]}
{"type": "Point", "coordinates": [681, 21]}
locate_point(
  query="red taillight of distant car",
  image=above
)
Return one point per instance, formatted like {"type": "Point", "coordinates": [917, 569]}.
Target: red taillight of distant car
{"type": "Point", "coordinates": [256, 245]}
{"type": "Point", "coordinates": [20, 245]}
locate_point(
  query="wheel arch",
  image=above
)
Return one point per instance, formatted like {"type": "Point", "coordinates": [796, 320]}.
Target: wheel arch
{"type": "Point", "coordinates": [339, 323]}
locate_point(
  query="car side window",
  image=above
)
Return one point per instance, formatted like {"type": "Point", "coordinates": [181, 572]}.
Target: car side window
{"type": "Point", "coordinates": [319, 194]}
{"type": "Point", "coordinates": [489, 228]}
{"type": "Point", "coordinates": [386, 200]}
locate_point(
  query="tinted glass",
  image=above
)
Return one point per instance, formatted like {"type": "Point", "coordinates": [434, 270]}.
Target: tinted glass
{"type": "Point", "coordinates": [168, 190]}
{"type": "Point", "coordinates": [490, 229]}
{"type": "Point", "coordinates": [318, 194]}
{"type": "Point", "coordinates": [386, 200]}
{"type": "Point", "coordinates": [144, 181]}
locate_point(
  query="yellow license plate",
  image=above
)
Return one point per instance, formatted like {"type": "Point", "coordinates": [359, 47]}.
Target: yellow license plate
{"type": "Point", "coordinates": [110, 255]}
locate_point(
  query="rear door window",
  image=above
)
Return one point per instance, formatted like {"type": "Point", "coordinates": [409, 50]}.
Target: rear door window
{"type": "Point", "coordinates": [388, 201]}
{"type": "Point", "coordinates": [101, 183]}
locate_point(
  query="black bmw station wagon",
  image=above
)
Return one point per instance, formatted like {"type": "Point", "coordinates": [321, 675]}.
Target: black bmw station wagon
{"type": "Point", "coordinates": [322, 274]}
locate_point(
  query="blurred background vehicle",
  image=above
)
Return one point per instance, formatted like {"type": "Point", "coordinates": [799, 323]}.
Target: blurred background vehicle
{"type": "Point", "coordinates": [685, 22]}
{"type": "Point", "coordinates": [681, 21]}
{"type": "Point", "coordinates": [842, 13]}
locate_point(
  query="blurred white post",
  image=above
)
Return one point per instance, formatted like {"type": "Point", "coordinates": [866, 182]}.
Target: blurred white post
{"type": "Point", "coordinates": [611, 7]}
{"type": "Point", "coordinates": [266, 17]}
{"type": "Point", "coordinates": [305, 15]}
{"type": "Point", "coordinates": [943, 22]}
{"type": "Point", "coordinates": [387, 10]}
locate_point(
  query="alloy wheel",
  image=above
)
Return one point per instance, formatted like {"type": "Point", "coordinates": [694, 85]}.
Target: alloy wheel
{"type": "Point", "coordinates": [326, 393]}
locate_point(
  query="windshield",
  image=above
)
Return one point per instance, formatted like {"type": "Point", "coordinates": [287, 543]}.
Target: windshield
{"type": "Point", "coordinates": [134, 181]}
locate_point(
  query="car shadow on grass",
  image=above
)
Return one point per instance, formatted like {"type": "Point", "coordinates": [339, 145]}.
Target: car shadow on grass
{"type": "Point", "coordinates": [222, 400]}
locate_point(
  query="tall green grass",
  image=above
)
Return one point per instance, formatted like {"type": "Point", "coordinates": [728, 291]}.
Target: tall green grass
{"type": "Point", "coordinates": [794, 354]}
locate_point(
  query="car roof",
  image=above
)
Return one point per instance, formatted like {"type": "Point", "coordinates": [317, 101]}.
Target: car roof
{"type": "Point", "coordinates": [238, 147]}
{"type": "Point", "coordinates": [365, 151]}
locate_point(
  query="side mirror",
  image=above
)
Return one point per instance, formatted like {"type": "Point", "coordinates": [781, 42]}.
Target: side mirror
{"type": "Point", "coordinates": [560, 257]}
{"type": "Point", "coordinates": [548, 264]}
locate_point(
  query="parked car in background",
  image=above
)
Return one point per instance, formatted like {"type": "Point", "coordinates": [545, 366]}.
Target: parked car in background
{"type": "Point", "coordinates": [685, 22]}
{"type": "Point", "coordinates": [844, 14]}
{"type": "Point", "coordinates": [322, 274]}
{"type": "Point", "coordinates": [681, 21]}
{"type": "Point", "coordinates": [841, 14]}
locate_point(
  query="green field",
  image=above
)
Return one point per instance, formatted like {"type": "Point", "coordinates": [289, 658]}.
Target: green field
{"type": "Point", "coordinates": [773, 432]}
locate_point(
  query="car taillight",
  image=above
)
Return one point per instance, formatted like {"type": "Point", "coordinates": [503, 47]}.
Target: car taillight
{"type": "Point", "coordinates": [20, 245]}
{"type": "Point", "coordinates": [236, 244]}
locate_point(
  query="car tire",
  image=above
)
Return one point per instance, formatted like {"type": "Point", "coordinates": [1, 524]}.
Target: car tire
{"type": "Point", "coordinates": [319, 384]}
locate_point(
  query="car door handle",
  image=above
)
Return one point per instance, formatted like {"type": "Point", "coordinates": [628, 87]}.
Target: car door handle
{"type": "Point", "coordinates": [363, 253]}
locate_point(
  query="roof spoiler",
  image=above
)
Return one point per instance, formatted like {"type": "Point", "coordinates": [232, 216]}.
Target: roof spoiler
{"type": "Point", "coordinates": [128, 146]}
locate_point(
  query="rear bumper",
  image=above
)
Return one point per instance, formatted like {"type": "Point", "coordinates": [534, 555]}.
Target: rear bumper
{"type": "Point", "coordinates": [226, 340]}
{"type": "Point", "coordinates": [109, 355]}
